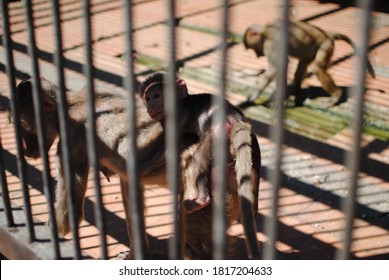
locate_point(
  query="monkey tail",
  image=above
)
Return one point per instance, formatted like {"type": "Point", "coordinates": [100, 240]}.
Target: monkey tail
{"type": "Point", "coordinates": [244, 147]}
{"type": "Point", "coordinates": [338, 36]}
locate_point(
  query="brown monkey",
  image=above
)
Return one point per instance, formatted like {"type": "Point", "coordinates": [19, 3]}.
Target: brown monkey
{"type": "Point", "coordinates": [196, 164]}
{"type": "Point", "coordinates": [113, 144]}
{"type": "Point", "coordinates": [195, 117]}
{"type": "Point", "coordinates": [309, 44]}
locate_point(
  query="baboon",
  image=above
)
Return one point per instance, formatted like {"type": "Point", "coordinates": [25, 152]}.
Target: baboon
{"type": "Point", "coordinates": [112, 140]}
{"type": "Point", "coordinates": [195, 117]}
{"type": "Point", "coordinates": [309, 44]}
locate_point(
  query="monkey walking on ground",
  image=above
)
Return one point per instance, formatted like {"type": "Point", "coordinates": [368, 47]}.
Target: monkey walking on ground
{"type": "Point", "coordinates": [309, 44]}
{"type": "Point", "coordinates": [195, 117]}
{"type": "Point", "coordinates": [112, 140]}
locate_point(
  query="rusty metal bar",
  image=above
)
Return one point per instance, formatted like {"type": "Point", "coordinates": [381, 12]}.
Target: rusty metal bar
{"type": "Point", "coordinates": [91, 134]}
{"type": "Point", "coordinates": [135, 191]}
{"type": "Point", "coordinates": [220, 145]}
{"type": "Point", "coordinates": [171, 132]}
{"type": "Point", "coordinates": [353, 157]}
{"type": "Point", "coordinates": [277, 132]}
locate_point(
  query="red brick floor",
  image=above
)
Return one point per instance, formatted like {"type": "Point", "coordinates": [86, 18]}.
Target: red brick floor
{"type": "Point", "coordinates": [314, 178]}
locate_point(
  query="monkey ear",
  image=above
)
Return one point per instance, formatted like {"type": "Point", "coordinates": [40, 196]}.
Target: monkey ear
{"type": "Point", "coordinates": [182, 88]}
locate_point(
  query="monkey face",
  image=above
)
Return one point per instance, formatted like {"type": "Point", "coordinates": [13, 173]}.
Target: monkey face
{"type": "Point", "coordinates": [154, 103]}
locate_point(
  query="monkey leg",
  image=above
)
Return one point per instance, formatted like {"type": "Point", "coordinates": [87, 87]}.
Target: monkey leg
{"type": "Point", "coordinates": [299, 75]}
{"type": "Point", "coordinates": [295, 87]}
{"type": "Point", "coordinates": [127, 211]}
{"type": "Point", "coordinates": [320, 66]}
{"type": "Point", "coordinates": [330, 87]}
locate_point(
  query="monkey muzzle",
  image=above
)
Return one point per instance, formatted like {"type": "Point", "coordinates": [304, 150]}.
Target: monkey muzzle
{"type": "Point", "coordinates": [196, 198]}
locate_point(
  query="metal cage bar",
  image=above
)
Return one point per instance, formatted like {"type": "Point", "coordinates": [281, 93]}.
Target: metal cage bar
{"type": "Point", "coordinates": [62, 102]}
{"type": "Point", "coordinates": [14, 104]}
{"type": "Point", "coordinates": [37, 100]}
{"type": "Point", "coordinates": [171, 133]}
{"type": "Point", "coordinates": [220, 146]}
{"type": "Point", "coordinates": [277, 131]}
{"type": "Point", "coordinates": [4, 190]}
{"type": "Point", "coordinates": [93, 153]}
{"type": "Point", "coordinates": [134, 188]}
{"type": "Point", "coordinates": [353, 158]}
{"type": "Point", "coordinates": [38, 109]}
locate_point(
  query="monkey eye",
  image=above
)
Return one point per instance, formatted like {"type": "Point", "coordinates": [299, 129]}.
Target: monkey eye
{"type": "Point", "coordinates": [147, 99]}
{"type": "Point", "coordinates": [157, 95]}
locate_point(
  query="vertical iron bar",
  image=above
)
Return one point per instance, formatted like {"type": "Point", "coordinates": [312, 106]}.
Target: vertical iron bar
{"type": "Point", "coordinates": [135, 192]}
{"type": "Point", "coordinates": [171, 133]}
{"type": "Point", "coordinates": [353, 157]}
{"type": "Point", "coordinates": [37, 98]}
{"type": "Point", "coordinates": [38, 109]}
{"type": "Point", "coordinates": [14, 104]}
{"type": "Point", "coordinates": [62, 102]}
{"type": "Point", "coordinates": [277, 131]}
{"type": "Point", "coordinates": [41, 129]}
{"type": "Point", "coordinates": [91, 128]}
{"type": "Point", "coordinates": [220, 146]}
{"type": "Point", "coordinates": [4, 190]}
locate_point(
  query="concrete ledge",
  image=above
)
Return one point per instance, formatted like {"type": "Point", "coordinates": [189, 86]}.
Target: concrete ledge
{"type": "Point", "coordinates": [14, 241]}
